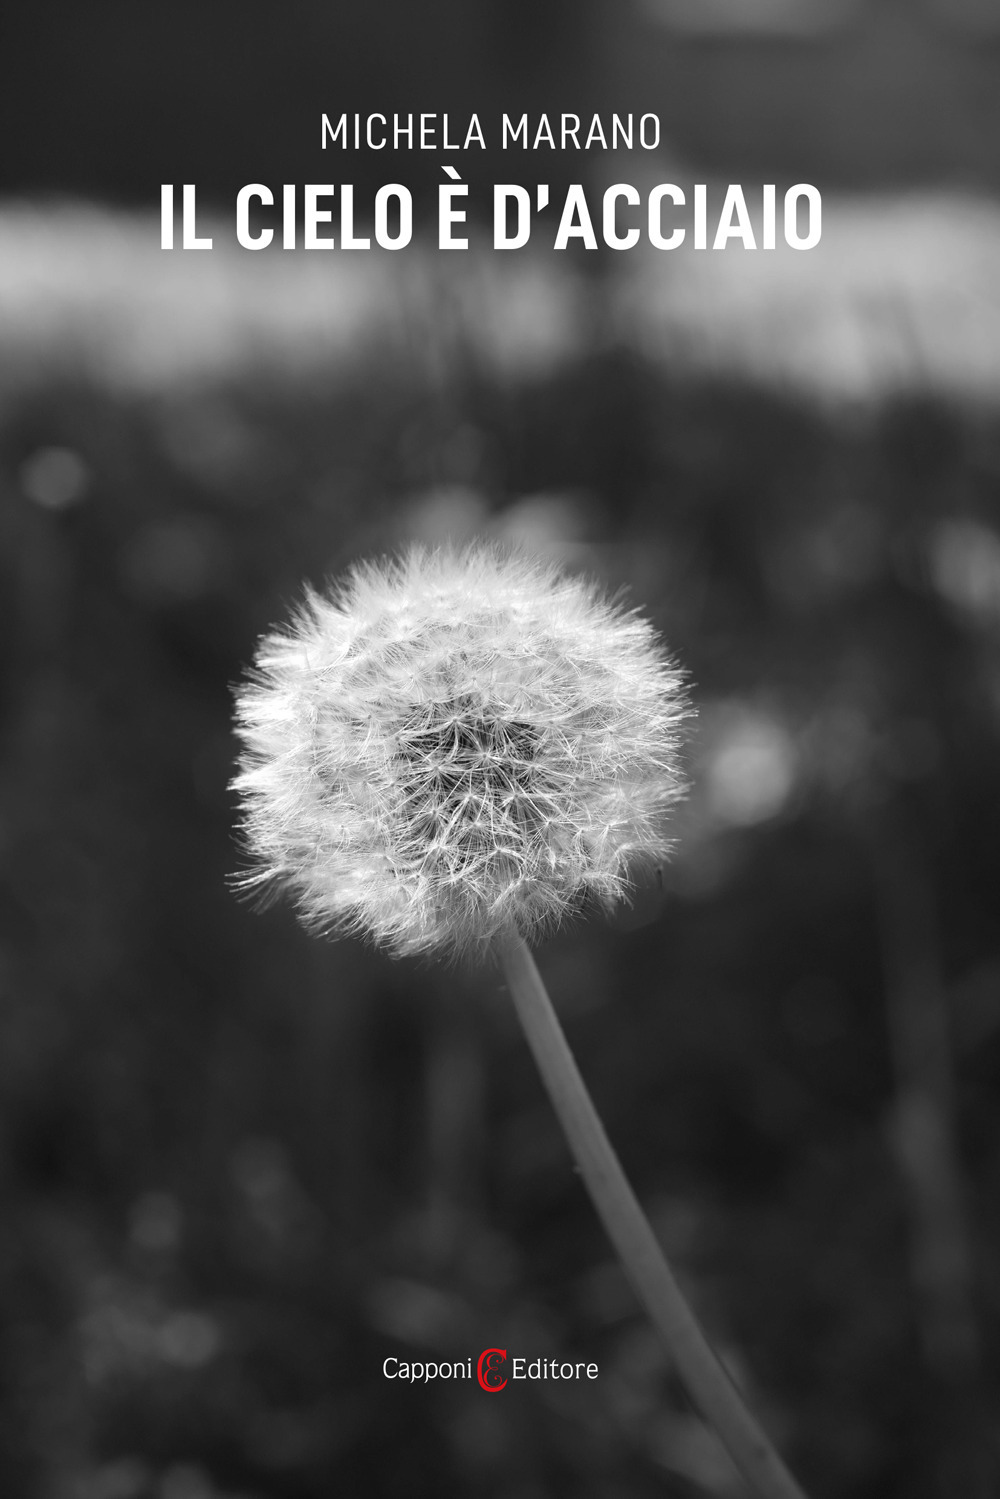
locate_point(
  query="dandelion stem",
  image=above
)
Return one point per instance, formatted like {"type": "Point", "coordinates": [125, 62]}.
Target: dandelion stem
{"type": "Point", "coordinates": [706, 1381]}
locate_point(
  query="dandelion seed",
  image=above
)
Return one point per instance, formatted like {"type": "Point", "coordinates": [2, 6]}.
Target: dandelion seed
{"type": "Point", "coordinates": [451, 752]}
{"type": "Point", "coordinates": [455, 746]}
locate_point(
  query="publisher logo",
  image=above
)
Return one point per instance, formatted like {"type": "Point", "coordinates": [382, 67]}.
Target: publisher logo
{"type": "Point", "coordinates": [490, 1369]}
{"type": "Point", "coordinates": [493, 1370]}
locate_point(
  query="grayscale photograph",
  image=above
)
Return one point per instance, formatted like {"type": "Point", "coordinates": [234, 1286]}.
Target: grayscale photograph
{"type": "Point", "coordinates": [500, 750]}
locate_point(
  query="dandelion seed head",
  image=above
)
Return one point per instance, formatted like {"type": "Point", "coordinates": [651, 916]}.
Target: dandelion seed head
{"type": "Point", "coordinates": [456, 745]}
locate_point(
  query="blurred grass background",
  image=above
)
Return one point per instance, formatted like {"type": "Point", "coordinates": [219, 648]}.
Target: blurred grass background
{"type": "Point", "coordinates": [240, 1167]}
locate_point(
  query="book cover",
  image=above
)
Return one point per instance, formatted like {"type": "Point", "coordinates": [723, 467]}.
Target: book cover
{"type": "Point", "coordinates": [696, 298]}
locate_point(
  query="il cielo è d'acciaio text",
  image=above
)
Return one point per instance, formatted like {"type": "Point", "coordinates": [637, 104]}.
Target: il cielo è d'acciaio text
{"type": "Point", "coordinates": [664, 216]}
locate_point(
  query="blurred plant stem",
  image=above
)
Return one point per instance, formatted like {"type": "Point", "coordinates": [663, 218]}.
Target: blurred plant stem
{"type": "Point", "coordinates": [706, 1381]}
{"type": "Point", "coordinates": [924, 1140]}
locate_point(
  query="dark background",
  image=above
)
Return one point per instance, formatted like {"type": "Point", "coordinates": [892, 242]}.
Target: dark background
{"type": "Point", "coordinates": [240, 1166]}
{"type": "Point", "coordinates": [113, 98]}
